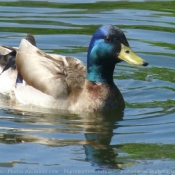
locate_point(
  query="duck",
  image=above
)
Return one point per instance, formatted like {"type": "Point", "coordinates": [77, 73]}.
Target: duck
{"type": "Point", "coordinates": [63, 82]}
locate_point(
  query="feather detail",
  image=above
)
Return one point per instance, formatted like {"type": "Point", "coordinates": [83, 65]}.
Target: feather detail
{"type": "Point", "coordinates": [5, 56]}
{"type": "Point", "coordinates": [96, 97]}
{"type": "Point", "coordinates": [58, 74]}
{"type": "Point", "coordinates": [7, 77]}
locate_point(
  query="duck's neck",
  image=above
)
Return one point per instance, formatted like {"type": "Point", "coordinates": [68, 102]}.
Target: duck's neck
{"type": "Point", "coordinates": [100, 73]}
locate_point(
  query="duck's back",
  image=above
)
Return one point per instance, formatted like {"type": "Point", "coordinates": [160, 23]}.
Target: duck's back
{"type": "Point", "coordinates": [52, 74]}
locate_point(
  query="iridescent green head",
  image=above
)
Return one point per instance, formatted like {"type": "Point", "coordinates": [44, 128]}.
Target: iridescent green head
{"type": "Point", "coordinates": [108, 46]}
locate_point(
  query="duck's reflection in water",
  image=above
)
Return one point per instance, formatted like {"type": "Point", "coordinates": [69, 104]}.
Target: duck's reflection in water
{"type": "Point", "coordinates": [98, 149]}
{"type": "Point", "coordinates": [97, 129]}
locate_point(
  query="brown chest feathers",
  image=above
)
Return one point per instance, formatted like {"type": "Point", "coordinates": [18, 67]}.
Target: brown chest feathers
{"type": "Point", "coordinates": [96, 97]}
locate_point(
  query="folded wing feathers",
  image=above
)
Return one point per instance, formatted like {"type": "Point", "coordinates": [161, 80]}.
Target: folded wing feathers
{"type": "Point", "coordinates": [59, 74]}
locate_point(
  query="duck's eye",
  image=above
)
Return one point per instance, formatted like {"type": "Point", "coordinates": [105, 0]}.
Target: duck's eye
{"type": "Point", "coordinates": [107, 39]}
{"type": "Point", "coordinates": [127, 51]}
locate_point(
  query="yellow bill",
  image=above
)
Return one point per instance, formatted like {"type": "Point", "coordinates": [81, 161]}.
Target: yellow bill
{"type": "Point", "coordinates": [126, 54]}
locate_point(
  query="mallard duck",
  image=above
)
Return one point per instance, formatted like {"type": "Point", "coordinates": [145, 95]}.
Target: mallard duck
{"type": "Point", "coordinates": [63, 82]}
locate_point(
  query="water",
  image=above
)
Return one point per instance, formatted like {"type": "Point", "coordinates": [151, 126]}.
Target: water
{"type": "Point", "coordinates": [140, 140]}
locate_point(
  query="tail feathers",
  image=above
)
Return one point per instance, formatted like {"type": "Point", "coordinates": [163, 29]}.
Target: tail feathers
{"type": "Point", "coordinates": [19, 78]}
{"type": "Point", "coordinates": [4, 59]}
{"type": "Point", "coordinates": [8, 60]}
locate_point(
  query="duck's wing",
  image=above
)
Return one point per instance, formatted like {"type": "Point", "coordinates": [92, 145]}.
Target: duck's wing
{"type": "Point", "coordinates": [52, 74]}
{"type": "Point", "coordinates": [8, 54]}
